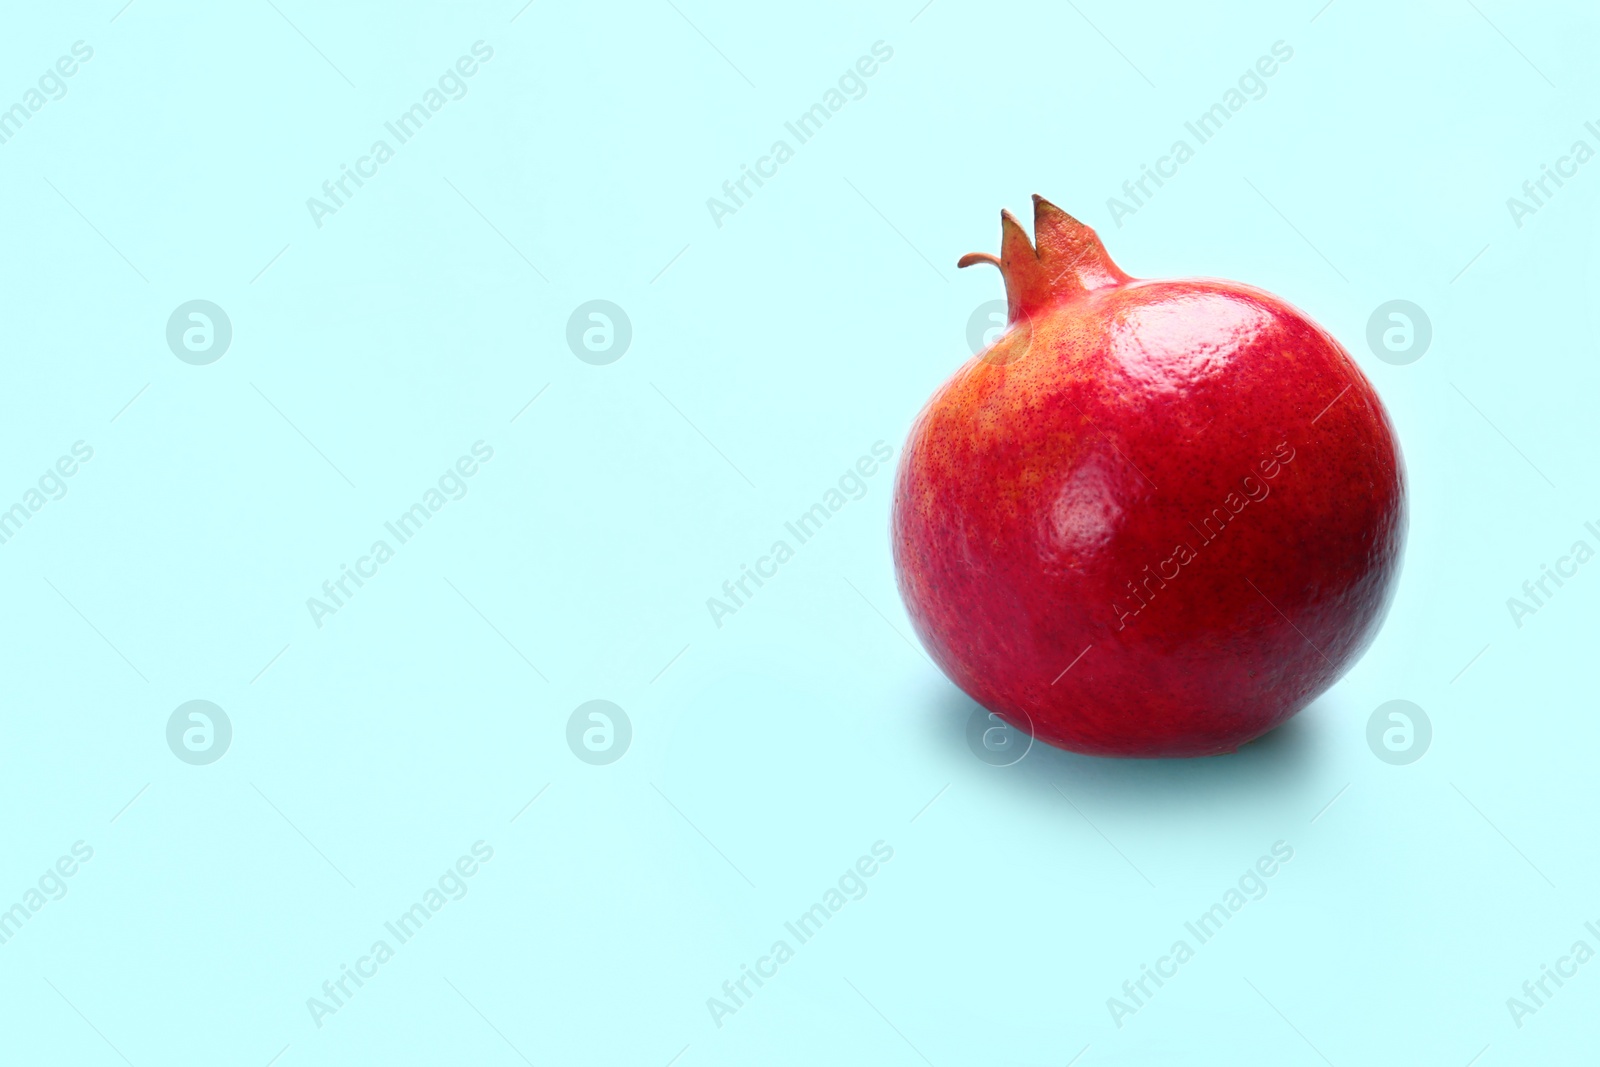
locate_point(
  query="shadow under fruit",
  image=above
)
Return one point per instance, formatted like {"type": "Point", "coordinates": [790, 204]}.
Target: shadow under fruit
{"type": "Point", "coordinates": [1155, 518]}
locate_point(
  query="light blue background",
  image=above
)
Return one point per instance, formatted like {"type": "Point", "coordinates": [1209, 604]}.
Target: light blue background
{"type": "Point", "coordinates": [769, 754]}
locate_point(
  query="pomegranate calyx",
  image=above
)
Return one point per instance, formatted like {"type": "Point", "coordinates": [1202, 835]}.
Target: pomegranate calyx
{"type": "Point", "coordinates": [1065, 259]}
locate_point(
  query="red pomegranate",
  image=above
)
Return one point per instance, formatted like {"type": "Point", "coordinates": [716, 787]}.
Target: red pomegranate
{"type": "Point", "coordinates": [1155, 518]}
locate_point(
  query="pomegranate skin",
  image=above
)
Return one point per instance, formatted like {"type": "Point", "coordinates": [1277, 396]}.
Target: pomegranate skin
{"type": "Point", "coordinates": [1155, 518]}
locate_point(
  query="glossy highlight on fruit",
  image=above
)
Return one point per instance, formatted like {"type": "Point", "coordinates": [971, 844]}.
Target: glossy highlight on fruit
{"type": "Point", "coordinates": [1155, 518]}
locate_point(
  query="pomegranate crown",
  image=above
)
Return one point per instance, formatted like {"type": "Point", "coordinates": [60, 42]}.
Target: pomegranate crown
{"type": "Point", "coordinates": [1064, 259]}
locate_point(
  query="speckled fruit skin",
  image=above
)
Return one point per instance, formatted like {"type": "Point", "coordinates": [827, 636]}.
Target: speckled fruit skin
{"type": "Point", "coordinates": [1155, 518]}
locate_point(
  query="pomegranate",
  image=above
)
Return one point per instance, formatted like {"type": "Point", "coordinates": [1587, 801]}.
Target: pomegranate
{"type": "Point", "coordinates": [1154, 518]}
